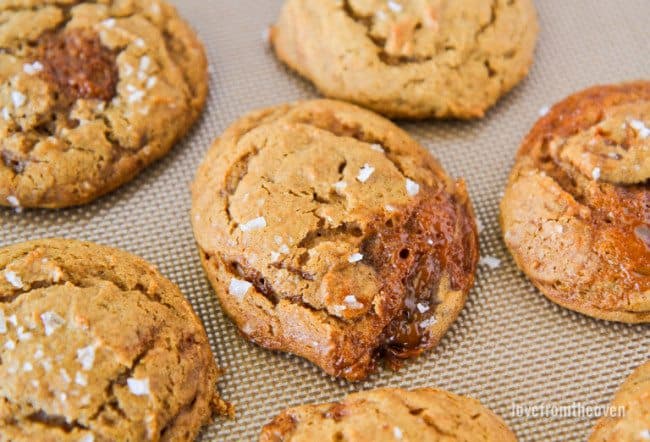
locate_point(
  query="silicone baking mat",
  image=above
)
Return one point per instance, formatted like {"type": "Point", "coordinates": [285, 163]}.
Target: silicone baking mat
{"type": "Point", "coordinates": [510, 347]}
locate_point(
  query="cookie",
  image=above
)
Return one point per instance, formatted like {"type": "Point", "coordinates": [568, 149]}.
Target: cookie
{"type": "Point", "coordinates": [409, 58]}
{"type": "Point", "coordinates": [326, 231]}
{"type": "Point", "coordinates": [91, 92]}
{"type": "Point", "coordinates": [629, 417]}
{"type": "Point", "coordinates": [576, 211]}
{"type": "Point", "coordinates": [391, 415]}
{"type": "Point", "coordinates": [96, 345]}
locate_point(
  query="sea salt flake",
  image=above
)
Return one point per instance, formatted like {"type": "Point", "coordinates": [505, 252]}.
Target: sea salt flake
{"type": "Point", "coordinates": [63, 397]}
{"type": "Point", "coordinates": [128, 70]}
{"type": "Point", "coordinates": [254, 224]}
{"type": "Point", "coordinates": [33, 68]}
{"type": "Point", "coordinates": [365, 173]}
{"type": "Point", "coordinates": [340, 185]}
{"type": "Point", "coordinates": [139, 43]}
{"type": "Point", "coordinates": [23, 335]}
{"type": "Point", "coordinates": [145, 62]}
{"type": "Point", "coordinates": [51, 322]}
{"type": "Point", "coordinates": [428, 322]}
{"type": "Point", "coordinates": [422, 308]}
{"type": "Point", "coordinates": [645, 434]}
{"type": "Point", "coordinates": [64, 375]}
{"type": "Point", "coordinates": [81, 379]}
{"type": "Point", "coordinates": [10, 344]}
{"type": "Point", "coordinates": [275, 256]}
{"type": "Point", "coordinates": [18, 98]}
{"type": "Point", "coordinates": [14, 279]}
{"type": "Point", "coordinates": [151, 82]}
{"type": "Point", "coordinates": [3, 322]}
{"type": "Point", "coordinates": [86, 357]}
{"type": "Point", "coordinates": [284, 249]}
{"type": "Point", "coordinates": [355, 257]}
{"type": "Point", "coordinates": [377, 148]}
{"type": "Point", "coordinates": [13, 320]}
{"type": "Point", "coordinates": [38, 354]}
{"type": "Point", "coordinates": [352, 302]}
{"type": "Point", "coordinates": [544, 110]}
{"type": "Point", "coordinates": [136, 96]}
{"type": "Point", "coordinates": [389, 208]}
{"type": "Point", "coordinates": [641, 128]}
{"type": "Point", "coordinates": [87, 438]}
{"type": "Point", "coordinates": [27, 367]}
{"type": "Point", "coordinates": [412, 188]}
{"type": "Point", "coordinates": [397, 432]}
{"type": "Point", "coordinates": [490, 262]}
{"type": "Point", "coordinates": [238, 288]}
{"type": "Point", "coordinates": [394, 6]}
{"type": "Point", "coordinates": [595, 174]}
{"type": "Point", "coordinates": [47, 365]}
{"type": "Point", "coordinates": [139, 387]}
{"type": "Point", "coordinates": [381, 15]}
{"type": "Point", "coordinates": [109, 23]}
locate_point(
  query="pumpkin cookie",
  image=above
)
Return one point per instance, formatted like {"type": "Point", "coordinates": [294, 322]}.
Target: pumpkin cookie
{"type": "Point", "coordinates": [328, 232]}
{"type": "Point", "coordinates": [410, 58]}
{"type": "Point", "coordinates": [91, 92]}
{"type": "Point", "coordinates": [96, 345]}
{"type": "Point", "coordinates": [576, 211]}
{"type": "Point", "coordinates": [389, 415]}
{"type": "Point", "coordinates": [629, 418]}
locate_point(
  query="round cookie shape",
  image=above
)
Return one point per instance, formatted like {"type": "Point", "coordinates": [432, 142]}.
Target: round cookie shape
{"type": "Point", "coordinates": [410, 58]}
{"type": "Point", "coordinates": [328, 232]}
{"type": "Point", "coordinates": [576, 211]}
{"type": "Point", "coordinates": [91, 92]}
{"type": "Point", "coordinates": [390, 415]}
{"type": "Point", "coordinates": [96, 345]}
{"type": "Point", "coordinates": [630, 411]}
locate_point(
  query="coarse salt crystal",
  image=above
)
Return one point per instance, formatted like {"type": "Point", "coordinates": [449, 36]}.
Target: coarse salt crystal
{"type": "Point", "coordinates": [3, 322]}
{"type": "Point", "coordinates": [27, 367]}
{"type": "Point", "coordinates": [13, 201]}
{"type": "Point", "coordinates": [238, 288]}
{"type": "Point", "coordinates": [86, 357]}
{"type": "Point", "coordinates": [23, 335]}
{"type": "Point", "coordinates": [365, 173]}
{"type": "Point", "coordinates": [641, 128]}
{"type": "Point", "coordinates": [139, 387]}
{"type": "Point", "coordinates": [284, 249]}
{"type": "Point", "coordinates": [10, 344]}
{"type": "Point", "coordinates": [412, 188]}
{"type": "Point", "coordinates": [352, 302]}
{"type": "Point", "coordinates": [595, 174]}
{"type": "Point", "coordinates": [13, 320]}
{"type": "Point", "coordinates": [422, 308]}
{"type": "Point", "coordinates": [254, 224]}
{"type": "Point", "coordinates": [51, 322]}
{"type": "Point", "coordinates": [109, 23]}
{"type": "Point", "coordinates": [394, 6]}
{"type": "Point", "coordinates": [397, 432]}
{"type": "Point", "coordinates": [47, 365]}
{"type": "Point", "coordinates": [340, 186]}
{"type": "Point", "coordinates": [32, 68]}
{"type": "Point", "coordinates": [355, 257]}
{"type": "Point", "coordinates": [428, 322]}
{"type": "Point", "coordinates": [18, 98]}
{"type": "Point", "coordinates": [145, 62]}
{"type": "Point", "coordinates": [14, 279]}
{"type": "Point", "coordinates": [490, 262]}
{"type": "Point", "coordinates": [64, 375]}
{"type": "Point", "coordinates": [377, 148]}
{"type": "Point", "coordinates": [151, 82]}
{"type": "Point", "coordinates": [87, 438]}
{"type": "Point", "coordinates": [81, 379]}
{"type": "Point", "coordinates": [38, 354]}
{"type": "Point", "coordinates": [544, 110]}
{"type": "Point", "coordinates": [5, 114]}
{"type": "Point", "coordinates": [136, 96]}
{"type": "Point", "coordinates": [275, 256]}
{"type": "Point", "coordinates": [389, 208]}
{"type": "Point", "coordinates": [139, 43]}
{"type": "Point", "coordinates": [645, 434]}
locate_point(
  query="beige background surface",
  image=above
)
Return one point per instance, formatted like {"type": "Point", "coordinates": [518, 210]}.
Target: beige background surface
{"type": "Point", "coordinates": [509, 345]}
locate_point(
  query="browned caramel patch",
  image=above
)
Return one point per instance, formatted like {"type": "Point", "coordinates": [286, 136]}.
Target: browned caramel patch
{"type": "Point", "coordinates": [78, 64]}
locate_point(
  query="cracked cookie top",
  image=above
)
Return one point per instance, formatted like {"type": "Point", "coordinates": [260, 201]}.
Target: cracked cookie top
{"type": "Point", "coordinates": [96, 345]}
{"type": "Point", "coordinates": [390, 415]}
{"type": "Point", "coordinates": [410, 58]}
{"type": "Point", "coordinates": [328, 232]}
{"type": "Point", "coordinates": [631, 409]}
{"type": "Point", "coordinates": [576, 213]}
{"type": "Point", "coordinates": [91, 92]}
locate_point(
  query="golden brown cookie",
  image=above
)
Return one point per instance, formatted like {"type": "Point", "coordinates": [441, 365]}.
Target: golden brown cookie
{"type": "Point", "coordinates": [389, 415]}
{"type": "Point", "coordinates": [96, 345]}
{"type": "Point", "coordinates": [576, 211]}
{"type": "Point", "coordinates": [91, 92]}
{"type": "Point", "coordinates": [410, 58]}
{"type": "Point", "coordinates": [631, 409]}
{"type": "Point", "coordinates": [328, 232]}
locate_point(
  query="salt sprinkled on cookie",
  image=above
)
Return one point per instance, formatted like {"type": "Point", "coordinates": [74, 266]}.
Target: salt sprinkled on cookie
{"type": "Point", "coordinates": [340, 186]}
{"type": "Point", "coordinates": [365, 173]}
{"type": "Point", "coordinates": [3, 322]}
{"type": "Point", "coordinates": [238, 288]}
{"type": "Point", "coordinates": [14, 279]}
{"type": "Point", "coordinates": [86, 357]}
{"type": "Point", "coordinates": [595, 174]}
{"type": "Point", "coordinates": [139, 387]}
{"type": "Point", "coordinates": [397, 432]}
{"type": "Point", "coordinates": [641, 128]}
{"type": "Point", "coordinates": [394, 6]}
{"type": "Point", "coordinates": [544, 110]}
{"type": "Point", "coordinates": [428, 322]}
{"type": "Point", "coordinates": [254, 224]}
{"type": "Point", "coordinates": [412, 188]}
{"type": "Point", "coordinates": [377, 148]}
{"type": "Point", "coordinates": [81, 379]}
{"type": "Point", "coordinates": [18, 98]}
{"type": "Point", "coordinates": [352, 302]}
{"type": "Point", "coordinates": [51, 322]}
{"type": "Point", "coordinates": [422, 308]}
{"type": "Point", "coordinates": [355, 257]}
{"type": "Point", "coordinates": [32, 68]}
{"type": "Point", "coordinates": [645, 434]}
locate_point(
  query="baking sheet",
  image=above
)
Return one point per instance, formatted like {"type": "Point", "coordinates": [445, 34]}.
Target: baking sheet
{"type": "Point", "coordinates": [510, 346]}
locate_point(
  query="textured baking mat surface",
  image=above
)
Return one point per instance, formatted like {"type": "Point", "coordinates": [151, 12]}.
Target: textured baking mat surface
{"type": "Point", "coordinates": [509, 347]}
